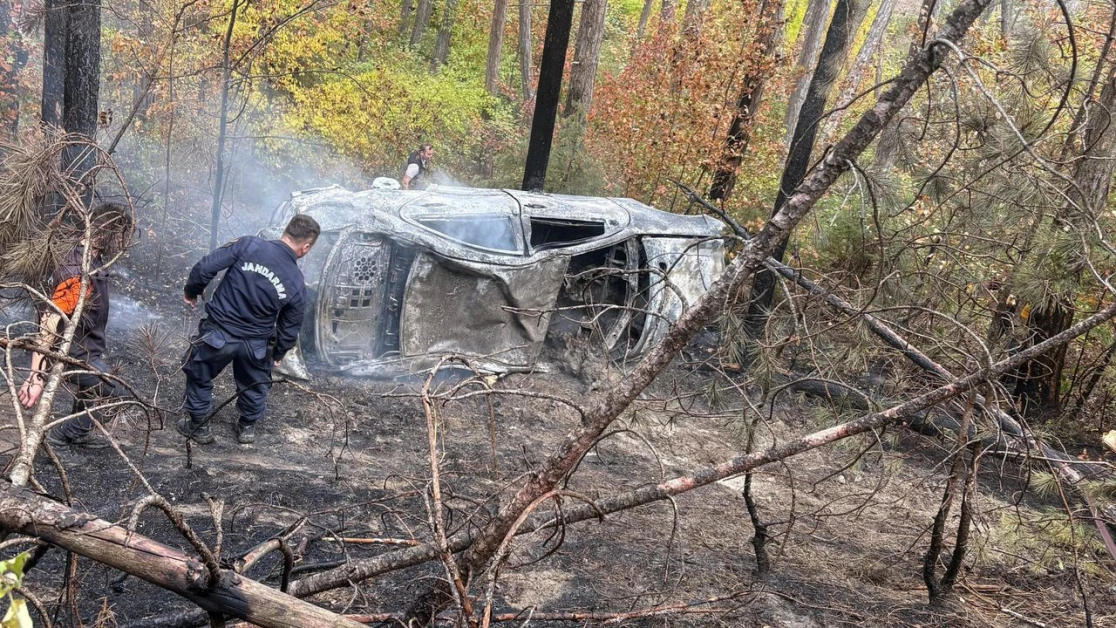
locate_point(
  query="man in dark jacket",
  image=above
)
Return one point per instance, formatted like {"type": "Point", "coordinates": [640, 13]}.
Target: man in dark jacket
{"type": "Point", "coordinates": [416, 174]}
{"type": "Point", "coordinates": [260, 301]}
{"type": "Point", "coordinates": [110, 226]}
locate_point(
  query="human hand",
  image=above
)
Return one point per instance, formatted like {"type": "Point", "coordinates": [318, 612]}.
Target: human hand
{"type": "Point", "coordinates": [276, 363]}
{"type": "Point", "coordinates": [191, 301]}
{"type": "Point", "coordinates": [31, 390]}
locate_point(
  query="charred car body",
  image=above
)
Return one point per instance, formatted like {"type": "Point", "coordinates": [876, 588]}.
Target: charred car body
{"type": "Point", "coordinates": [400, 279]}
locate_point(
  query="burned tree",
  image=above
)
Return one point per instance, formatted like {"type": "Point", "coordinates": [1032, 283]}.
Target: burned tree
{"type": "Point", "coordinates": [551, 68]}
{"type": "Point", "coordinates": [846, 17]}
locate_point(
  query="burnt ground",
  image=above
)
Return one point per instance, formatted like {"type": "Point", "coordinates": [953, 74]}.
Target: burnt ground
{"type": "Point", "coordinates": [850, 529]}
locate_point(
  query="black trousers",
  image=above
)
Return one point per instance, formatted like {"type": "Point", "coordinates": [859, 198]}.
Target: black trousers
{"type": "Point", "coordinates": [210, 351]}
{"type": "Point", "coordinates": [89, 392]}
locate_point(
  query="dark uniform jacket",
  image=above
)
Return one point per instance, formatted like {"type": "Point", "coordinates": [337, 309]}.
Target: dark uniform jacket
{"type": "Point", "coordinates": [89, 337]}
{"type": "Point", "coordinates": [422, 179]}
{"type": "Point", "coordinates": [262, 294]}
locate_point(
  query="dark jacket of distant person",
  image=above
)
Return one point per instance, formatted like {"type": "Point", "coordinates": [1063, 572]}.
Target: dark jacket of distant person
{"type": "Point", "coordinates": [416, 174]}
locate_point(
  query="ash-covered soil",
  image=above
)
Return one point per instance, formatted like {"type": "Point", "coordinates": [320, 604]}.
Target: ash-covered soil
{"type": "Point", "coordinates": [849, 523]}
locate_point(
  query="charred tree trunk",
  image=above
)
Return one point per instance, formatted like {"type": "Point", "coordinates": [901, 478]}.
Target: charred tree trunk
{"type": "Point", "coordinates": [813, 28]}
{"type": "Point", "coordinates": [24, 512]}
{"type": "Point", "coordinates": [863, 60]}
{"type": "Point", "coordinates": [751, 92]}
{"type": "Point", "coordinates": [422, 16]}
{"type": "Point", "coordinates": [557, 41]}
{"type": "Point", "coordinates": [1038, 382]}
{"type": "Point", "coordinates": [222, 131]}
{"type": "Point", "coordinates": [523, 50]}
{"type": "Point", "coordinates": [495, 45]}
{"type": "Point", "coordinates": [587, 52]}
{"type": "Point", "coordinates": [83, 67]}
{"type": "Point", "coordinates": [72, 74]}
{"type": "Point", "coordinates": [841, 30]}
{"type": "Point", "coordinates": [937, 589]}
{"type": "Point", "coordinates": [442, 43]}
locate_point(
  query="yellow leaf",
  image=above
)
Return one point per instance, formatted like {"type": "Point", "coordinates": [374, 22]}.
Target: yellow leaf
{"type": "Point", "coordinates": [17, 616]}
{"type": "Point", "coordinates": [11, 572]}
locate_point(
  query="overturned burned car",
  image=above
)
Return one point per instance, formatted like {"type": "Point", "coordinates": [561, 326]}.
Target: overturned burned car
{"type": "Point", "coordinates": [400, 279]}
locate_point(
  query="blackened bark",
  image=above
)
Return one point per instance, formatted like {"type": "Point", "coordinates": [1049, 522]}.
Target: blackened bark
{"type": "Point", "coordinates": [83, 67]}
{"type": "Point", "coordinates": [759, 539]}
{"type": "Point", "coordinates": [837, 39]}
{"type": "Point", "coordinates": [813, 26]}
{"type": "Point", "coordinates": [55, 20]}
{"type": "Point", "coordinates": [557, 41]}
{"type": "Point", "coordinates": [1038, 382]}
{"type": "Point", "coordinates": [82, 83]}
{"type": "Point", "coordinates": [587, 52]}
{"type": "Point", "coordinates": [862, 61]}
{"type": "Point", "coordinates": [72, 74]}
{"type": "Point", "coordinates": [751, 92]}
{"type": "Point", "coordinates": [442, 43]}
{"type": "Point", "coordinates": [964, 524]}
{"type": "Point", "coordinates": [495, 46]}
{"type": "Point", "coordinates": [937, 529]}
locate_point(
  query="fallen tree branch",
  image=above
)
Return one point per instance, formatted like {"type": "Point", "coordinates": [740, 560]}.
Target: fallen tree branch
{"type": "Point", "coordinates": [183, 528]}
{"type": "Point", "coordinates": [24, 512]}
{"type": "Point", "coordinates": [254, 555]}
{"type": "Point", "coordinates": [370, 541]}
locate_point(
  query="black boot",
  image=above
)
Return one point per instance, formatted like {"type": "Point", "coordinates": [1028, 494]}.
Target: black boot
{"type": "Point", "coordinates": [88, 440]}
{"type": "Point", "coordinates": [195, 429]}
{"type": "Point", "coordinates": [245, 433]}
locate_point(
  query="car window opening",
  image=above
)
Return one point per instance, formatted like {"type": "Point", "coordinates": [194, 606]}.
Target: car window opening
{"type": "Point", "coordinates": [557, 231]}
